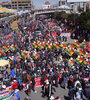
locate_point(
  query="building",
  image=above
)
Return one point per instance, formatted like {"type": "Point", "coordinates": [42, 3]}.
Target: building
{"type": "Point", "coordinates": [6, 4]}
{"type": "Point", "coordinates": [88, 5]}
{"type": "Point", "coordinates": [62, 2]}
{"type": "Point", "coordinates": [46, 5]}
{"type": "Point", "coordinates": [21, 4]}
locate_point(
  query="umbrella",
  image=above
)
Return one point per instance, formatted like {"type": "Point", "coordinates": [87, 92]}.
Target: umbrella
{"type": "Point", "coordinates": [3, 63]}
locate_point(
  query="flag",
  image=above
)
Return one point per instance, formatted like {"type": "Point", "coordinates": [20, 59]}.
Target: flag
{"type": "Point", "coordinates": [84, 63]}
{"type": "Point", "coordinates": [64, 46]}
{"type": "Point", "coordinates": [6, 48]}
{"type": "Point", "coordinates": [81, 51]}
{"type": "Point", "coordinates": [35, 44]}
{"type": "Point", "coordinates": [72, 51]}
{"type": "Point", "coordinates": [23, 55]}
{"type": "Point", "coordinates": [84, 43]}
{"type": "Point", "coordinates": [56, 45]}
{"type": "Point", "coordinates": [10, 57]}
{"type": "Point", "coordinates": [68, 52]}
{"type": "Point", "coordinates": [35, 55]}
{"type": "Point", "coordinates": [42, 45]}
{"type": "Point", "coordinates": [77, 44]}
{"type": "Point", "coordinates": [39, 45]}
{"type": "Point", "coordinates": [71, 46]}
{"type": "Point", "coordinates": [71, 62]}
{"type": "Point", "coordinates": [49, 46]}
{"type": "Point", "coordinates": [12, 48]}
{"type": "Point", "coordinates": [77, 52]}
{"type": "Point", "coordinates": [2, 53]}
{"type": "Point", "coordinates": [79, 59]}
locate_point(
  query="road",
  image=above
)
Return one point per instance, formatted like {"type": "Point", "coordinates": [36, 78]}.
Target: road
{"type": "Point", "coordinates": [62, 93]}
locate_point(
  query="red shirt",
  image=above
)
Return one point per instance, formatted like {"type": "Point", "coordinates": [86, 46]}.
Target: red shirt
{"type": "Point", "coordinates": [15, 85]}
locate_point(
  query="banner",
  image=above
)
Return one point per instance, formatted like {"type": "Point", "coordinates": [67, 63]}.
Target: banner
{"type": "Point", "coordinates": [65, 34]}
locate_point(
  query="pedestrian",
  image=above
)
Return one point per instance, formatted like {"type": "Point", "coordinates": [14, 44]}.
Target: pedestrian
{"type": "Point", "coordinates": [33, 82]}
{"type": "Point", "coordinates": [16, 95]}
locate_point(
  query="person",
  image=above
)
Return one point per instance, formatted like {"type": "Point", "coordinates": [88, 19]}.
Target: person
{"type": "Point", "coordinates": [19, 83]}
{"type": "Point", "coordinates": [57, 98]}
{"type": "Point", "coordinates": [56, 75]}
{"type": "Point", "coordinates": [14, 84]}
{"type": "Point", "coordinates": [78, 92]}
{"type": "Point", "coordinates": [48, 90]}
{"type": "Point", "coordinates": [33, 82]}
{"type": "Point", "coordinates": [87, 91]}
{"type": "Point", "coordinates": [16, 95]}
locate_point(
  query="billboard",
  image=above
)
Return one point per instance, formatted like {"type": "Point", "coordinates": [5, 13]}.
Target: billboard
{"type": "Point", "coordinates": [78, 0]}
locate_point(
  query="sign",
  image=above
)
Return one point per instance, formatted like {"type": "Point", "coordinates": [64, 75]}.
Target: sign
{"type": "Point", "coordinates": [65, 34]}
{"type": "Point", "coordinates": [78, 0]}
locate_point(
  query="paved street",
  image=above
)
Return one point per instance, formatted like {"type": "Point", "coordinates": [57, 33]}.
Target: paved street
{"type": "Point", "coordinates": [38, 96]}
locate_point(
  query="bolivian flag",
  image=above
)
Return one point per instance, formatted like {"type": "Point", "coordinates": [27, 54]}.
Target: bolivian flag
{"type": "Point", "coordinates": [22, 55]}
{"type": "Point", "coordinates": [49, 47]}
{"type": "Point", "coordinates": [71, 46]}
{"type": "Point", "coordinates": [84, 63]}
{"type": "Point", "coordinates": [42, 45]}
{"type": "Point", "coordinates": [71, 62]}
{"type": "Point", "coordinates": [68, 52]}
{"type": "Point", "coordinates": [72, 51]}
{"type": "Point", "coordinates": [39, 45]}
{"type": "Point", "coordinates": [79, 60]}
{"type": "Point", "coordinates": [35, 45]}
{"type": "Point", "coordinates": [35, 56]}
{"type": "Point", "coordinates": [56, 45]}
{"type": "Point", "coordinates": [6, 48]}
{"type": "Point", "coordinates": [77, 52]}
{"type": "Point", "coordinates": [62, 45]}
{"type": "Point", "coordinates": [2, 53]}
{"type": "Point", "coordinates": [84, 43]}
{"type": "Point", "coordinates": [77, 44]}
{"type": "Point", "coordinates": [12, 48]}
{"type": "Point", "coordinates": [81, 51]}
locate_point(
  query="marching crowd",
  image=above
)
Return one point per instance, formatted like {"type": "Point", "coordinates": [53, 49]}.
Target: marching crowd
{"type": "Point", "coordinates": [33, 56]}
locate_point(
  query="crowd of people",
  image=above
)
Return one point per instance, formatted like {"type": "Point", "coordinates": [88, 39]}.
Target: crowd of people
{"type": "Point", "coordinates": [39, 51]}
